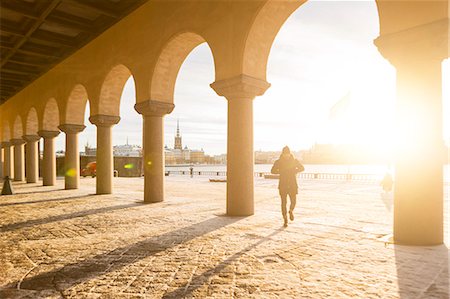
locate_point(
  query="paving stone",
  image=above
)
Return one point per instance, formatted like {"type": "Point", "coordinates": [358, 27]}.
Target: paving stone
{"type": "Point", "coordinates": [73, 244]}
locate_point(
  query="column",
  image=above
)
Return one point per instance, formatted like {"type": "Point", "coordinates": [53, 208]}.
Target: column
{"type": "Point", "coordinates": [19, 159]}
{"type": "Point", "coordinates": [32, 158]}
{"type": "Point", "coordinates": [72, 155]}
{"type": "Point", "coordinates": [2, 159]}
{"type": "Point", "coordinates": [8, 169]}
{"type": "Point", "coordinates": [105, 159]}
{"type": "Point", "coordinates": [417, 55]}
{"type": "Point", "coordinates": [49, 159]}
{"type": "Point", "coordinates": [153, 147]}
{"type": "Point", "coordinates": [240, 92]}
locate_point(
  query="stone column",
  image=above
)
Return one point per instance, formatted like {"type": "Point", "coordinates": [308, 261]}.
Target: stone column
{"type": "Point", "coordinates": [8, 169]}
{"type": "Point", "coordinates": [72, 155]}
{"type": "Point", "coordinates": [49, 159]}
{"type": "Point", "coordinates": [153, 147]}
{"type": "Point", "coordinates": [2, 159]}
{"type": "Point", "coordinates": [417, 55]}
{"type": "Point", "coordinates": [32, 158]}
{"type": "Point", "coordinates": [19, 159]}
{"type": "Point", "coordinates": [105, 159]}
{"type": "Point", "coordinates": [240, 92]}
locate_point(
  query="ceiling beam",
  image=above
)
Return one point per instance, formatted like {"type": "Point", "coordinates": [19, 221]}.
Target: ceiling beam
{"type": "Point", "coordinates": [10, 83]}
{"type": "Point", "coordinates": [54, 38]}
{"type": "Point", "coordinates": [4, 75]}
{"type": "Point", "coordinates": [30, 63]}
{"type": "Point", "coordinates": [21, 72]}
{"type": "Point", "coordinates": [70, 21]}
{"type": "Point", "coordinates": [7, 28]}
{"type": "Point", "coordinates": [35, 26]}
{"type": "Point", "coordinates": [12, 6]}
{"type": "Point", "coordinates": [94, 7]}
{"type": "Point", "coordinates": [42, 54]}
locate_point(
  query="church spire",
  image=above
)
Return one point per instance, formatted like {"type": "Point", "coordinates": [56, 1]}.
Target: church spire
{"type": "Point", "coordinates": [178, 144]}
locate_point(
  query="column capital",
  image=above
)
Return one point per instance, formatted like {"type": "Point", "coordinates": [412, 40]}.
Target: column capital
{"type": "Point", "coordinates": [154, 108]}
{"type": "Point", "coordinates": [71, 128]}
{"type": "Point", "coordinates": [48, 134]}
{"type": "Point", "coordinates": [425, 43]}
{"type": "Point", "coordinates": [6, 144]}
{"type": "Point", "coordinates": [241, 86]}
{"type": "Point", "coordinates": [17, 141]}
{"type": "Point", "coordinates": [104, 120]}
{"type": "Point", "coordinates": [31, 138]}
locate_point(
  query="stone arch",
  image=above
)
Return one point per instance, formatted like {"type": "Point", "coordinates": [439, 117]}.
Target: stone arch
{"type": "Point", "coordinates": [32, 123]}
{"type": "Point", "coordinates": [6, 131]}
{"type": "Point", "coordinates": [111, 90]}
{"type": "Point", "coordinates": [17, 128]}
{"type": "Point", "coordinates": [169, 62]}
{"type": "Point", "coordinates": [76, 106]}
{"type": "Point", "coordinates": [261, 36]}
{"type": "Point", "coordinates": [50, 117]}
{"type": "Point", "coordinates": [263, 32]}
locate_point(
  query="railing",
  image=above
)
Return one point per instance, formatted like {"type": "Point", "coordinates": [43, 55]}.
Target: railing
{"type": "Point", "coordinates": [268, 175]}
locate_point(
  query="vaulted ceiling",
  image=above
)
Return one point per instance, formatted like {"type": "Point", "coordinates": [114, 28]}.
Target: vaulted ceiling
{"type": "Point", "coordinates": [35, 35]}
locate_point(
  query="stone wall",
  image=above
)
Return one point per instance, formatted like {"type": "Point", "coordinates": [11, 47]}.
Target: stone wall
{"type": "Point", "coordinates": [126, 166]}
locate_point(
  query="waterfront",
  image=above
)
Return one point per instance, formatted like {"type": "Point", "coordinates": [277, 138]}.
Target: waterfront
{"type": "Point", "coordinates": [377, 170]}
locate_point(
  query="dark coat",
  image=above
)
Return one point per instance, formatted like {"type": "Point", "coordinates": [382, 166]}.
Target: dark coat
{"type": "Point", "coordinates": [287, 168]}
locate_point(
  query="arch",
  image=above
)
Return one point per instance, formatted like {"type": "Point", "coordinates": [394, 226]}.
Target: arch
{"type": "Point", "coordinates": [6, 131]}
{"type": "Point", "coordinates": [261, 36]}
{"type": "Point", "coordinates": [17, 128]}
{"type": "Point", "coordinates": [169, 62]}
{"type": "Point", "coordinates": [111, 90]}
{"type": "Point", "coordinates": [50, 117]}
{"type": "Point", "coordinates": [76, 105]}
{"type": "Point", "coordinates": [32, 124]}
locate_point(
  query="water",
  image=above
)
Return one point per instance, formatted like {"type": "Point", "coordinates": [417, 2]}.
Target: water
{"type": "Point", "coordinates": [310, 168]}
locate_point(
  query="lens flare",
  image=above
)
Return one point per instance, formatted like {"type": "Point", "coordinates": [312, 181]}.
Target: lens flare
{"type": "Point", "coordinates": [71, 172]}
{"type": "Point", "coordinates": [129, 166]}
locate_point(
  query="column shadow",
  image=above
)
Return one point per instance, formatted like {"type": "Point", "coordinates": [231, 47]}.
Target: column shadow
{"type": "Point", "coordinates": [28, 223]}
{"type": "Point", "coordinates": [45, 200]}
{"type": "Point", "coordinates": [199, 280]}
{"type": "Point", "coordinates": [69, 275]}
{"type": "Point", "coordinates": [38, 191]}
{"type": "Point", "coordinates": [422, 272]}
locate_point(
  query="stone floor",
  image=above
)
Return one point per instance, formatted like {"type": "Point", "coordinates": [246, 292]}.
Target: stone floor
{"type": "Point", "coordinates": [56, 243]}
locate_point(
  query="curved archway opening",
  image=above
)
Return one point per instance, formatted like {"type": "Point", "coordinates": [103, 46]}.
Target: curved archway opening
{"type": "Point", "coordinates": [112, 90]}
{"type": "Point", "coordinates": [330, 87]}
{"type": "Point", "coordinates": [195, 132]}
{"type": "Point", "coordinates": [165, 74]}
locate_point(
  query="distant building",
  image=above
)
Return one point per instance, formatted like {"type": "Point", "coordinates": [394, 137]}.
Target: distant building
{"type": "Point", "coordinates": [125, 150]}
{"type": "Point", "coordinates": [89, 151]}
{"type": "Point", "coordinates": [262, 157]}
{"type": "Point", "coordinates": [180, 155]}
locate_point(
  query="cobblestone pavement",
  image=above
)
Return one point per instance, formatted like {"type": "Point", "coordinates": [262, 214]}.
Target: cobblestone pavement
{"type": "Point", "coordinates": [56, 243]}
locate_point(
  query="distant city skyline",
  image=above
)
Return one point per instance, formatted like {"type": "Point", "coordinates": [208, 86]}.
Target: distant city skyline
{"type": "Point", "coordinates": [324, 51]}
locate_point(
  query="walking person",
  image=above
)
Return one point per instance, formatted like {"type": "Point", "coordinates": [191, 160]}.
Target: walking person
{"type": "Point", "coordinates": [287, 167]}
{"type": "Point", "coordinates": [387, 183]}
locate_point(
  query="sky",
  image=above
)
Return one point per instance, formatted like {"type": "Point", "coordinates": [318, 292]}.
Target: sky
{"type": "Point", "coordinates": [322, 54]}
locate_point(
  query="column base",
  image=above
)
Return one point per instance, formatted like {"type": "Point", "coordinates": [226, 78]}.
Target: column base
{"type": "Point", "coordinates": [152, 201]}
